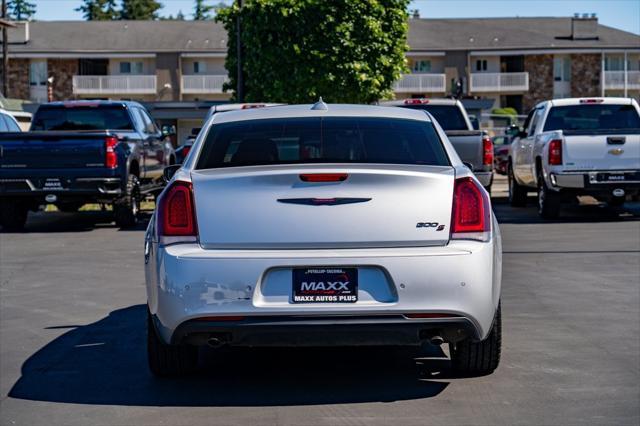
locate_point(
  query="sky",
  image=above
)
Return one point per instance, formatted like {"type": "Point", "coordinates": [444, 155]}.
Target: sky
{"type": "Point", "coordinates": [622, 14]}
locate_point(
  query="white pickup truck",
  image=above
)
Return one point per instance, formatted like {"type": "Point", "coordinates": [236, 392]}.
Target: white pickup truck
{"type": "Point", "coordinates": [474, 147]}
{"type": "Point", "coordinates": [572, 147]}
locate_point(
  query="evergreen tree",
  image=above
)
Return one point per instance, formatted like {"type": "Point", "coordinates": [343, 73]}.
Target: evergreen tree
{"type": "Point", "coordinates": [201, 11]}
{"type": "Point", "coordinates": [142, 10]}
{"type": "Point", "coordinates": [180, 16]}
{"type": "Point", "coordinates": [98, 10]}
{"type": "Point", "coordinates": [21, 10]}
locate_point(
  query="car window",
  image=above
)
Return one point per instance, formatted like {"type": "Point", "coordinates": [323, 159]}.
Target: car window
{"type": "Point", "coordinates": [322, 140]}
{"type": "Point", "coordinates": [137, 118]}
{"type": "Point", "coordinates": [149, 124]}
{"type": "Point", "coordinates": [10, 123]}
{"type": "Point", "coordinates": [592, 117]}
{"type": "Point", "coordinates": [448, 116]}
{"type": "Point", "coordinates": [534, 121]}
{"type": "Point", "coordinates": [82, 118]}
{"type": "Point", "coordinates": [3, 124]}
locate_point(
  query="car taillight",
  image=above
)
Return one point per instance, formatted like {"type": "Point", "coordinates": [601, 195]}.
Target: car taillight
{"type": "Point", "coordinates": [471, 213]}
{"type": "Point", "coordinates": [555, 152]}
{"type": "Point", "coordinates": [487, 152]}
{"type": "Point", "coordinates": [111, 157]}
{"type": "Point", "coordinates": [324, 177]}
{"type": "Point", "coordinates": [416, 101]}
{"type": "Point", "coordinates": [176, 214]}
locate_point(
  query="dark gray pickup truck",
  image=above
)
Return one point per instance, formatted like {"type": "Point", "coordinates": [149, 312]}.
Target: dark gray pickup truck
{"type": "Point", "coordinates": [80, 152]}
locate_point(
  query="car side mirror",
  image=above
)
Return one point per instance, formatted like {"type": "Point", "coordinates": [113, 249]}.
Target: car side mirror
{"type": "Point", "coordinates": [468, 165]}
{"type": "Point", "coordinates": [169, 171]}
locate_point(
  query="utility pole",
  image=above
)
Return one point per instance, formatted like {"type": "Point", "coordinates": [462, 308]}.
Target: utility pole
{"type": "Point", "coordinates": [240, 80]}
{"type": "Point", "coordinates": [5, 52]}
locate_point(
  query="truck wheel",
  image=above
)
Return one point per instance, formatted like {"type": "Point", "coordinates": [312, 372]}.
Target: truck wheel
{"type": "Point", "coordinates": [127, 208]}
{"type": "Point", "coordinates": [470, 358]}
{"type": "Point", "coordinates": [69, 207]}
{"type": "Point", "coordinates": [517, 192]}
{"type": "Point", "coordinates": [548, 201]}
{"type": "Point", "coordinates": [13, 215]}
{"type": "Point", "coordinates": [168, 360]}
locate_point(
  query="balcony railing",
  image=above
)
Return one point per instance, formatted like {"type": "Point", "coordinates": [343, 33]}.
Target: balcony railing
{"type": "Point", "coordinates": [198, 84]}
{"type": "Point", "coordinates": [114, 84]}
{"type": "Point", "coordinates": [420, 83]}
{"type": "Point", "coordinates": [499, 82]}
{"type": "Point", "coordinates": [615, 80]}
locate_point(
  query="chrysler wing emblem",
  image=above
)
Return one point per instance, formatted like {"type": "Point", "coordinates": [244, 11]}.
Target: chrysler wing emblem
{"type": "Point", "coordinates": [616, 151]}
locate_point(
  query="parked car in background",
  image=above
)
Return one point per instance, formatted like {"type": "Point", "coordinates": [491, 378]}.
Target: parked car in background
{"type": "Point", "coordinates": [183, 150]}
{"type": "Point", "coordinates": [78, 152]}
{"type": "Point", "coordinates": [8, 123]}
{"type": "Point", "coordinates": [473, 146]}
{"type": "Point", "coordinates": [501, 148]}
{"type": "Point", "coordinates": [253, 242]}
{"type": "Point", "coordinates": [579, 146]}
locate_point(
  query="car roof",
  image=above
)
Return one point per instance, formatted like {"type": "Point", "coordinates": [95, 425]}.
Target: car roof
{"type": "Point", "coordinates": [599, 100]}
{"type": "Point", "coordinates": [427, 101]}
{"type": "Point", "coordinates": [90, 102]}
{"type": "Point", "coordinates": [332, 110]}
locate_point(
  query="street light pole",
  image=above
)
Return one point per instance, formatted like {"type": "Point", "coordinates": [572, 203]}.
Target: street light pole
{"type": "Point", "coordinates": [239, 80]}
{"type": "Point", "coordinates": [5, 52]}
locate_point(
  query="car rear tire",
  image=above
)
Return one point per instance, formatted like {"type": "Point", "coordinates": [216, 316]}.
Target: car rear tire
{"type": "Point", "coordinates": [168, 360]}
{"type": "Point", "coordinates": [127, 208]}
{"type": "Point", "coordinates": [517, 192]}
{"type": "Point", "coordinates": [470, 358]}
{"type": "Point", "coordinates": [548, 201]}
{"type": "Point", "coordinates": [13, 215]}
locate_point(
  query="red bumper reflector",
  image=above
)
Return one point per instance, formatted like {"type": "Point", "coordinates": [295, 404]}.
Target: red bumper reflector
{"type": "Point", "coordinates": [221, 318]}
{"type": "Point", "coordinates": [430, 315]}
{"type": "Point", "coordinates": [324, 177]}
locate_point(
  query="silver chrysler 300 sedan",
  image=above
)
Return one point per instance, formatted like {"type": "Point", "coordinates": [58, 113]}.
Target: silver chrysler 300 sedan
{"type": "Point", "coordinates": [316, 225]}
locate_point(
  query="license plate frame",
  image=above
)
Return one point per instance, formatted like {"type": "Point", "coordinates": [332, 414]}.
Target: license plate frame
{"type": "Point", "coordinates": [324, 285]}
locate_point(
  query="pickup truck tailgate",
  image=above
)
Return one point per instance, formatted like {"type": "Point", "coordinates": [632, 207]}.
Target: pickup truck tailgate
{"type": "Point", "coordinates": [35, 150]}
{"type": "Point", "coordinates": [602, 152]}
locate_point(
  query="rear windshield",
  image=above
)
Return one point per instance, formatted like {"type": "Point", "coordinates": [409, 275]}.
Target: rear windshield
{"type": "Point", "coordinates": [448, 116]}
{"type": "Point", "coordinates": [322, 140]}
{"type": "Point", "coordinates": [592, 117]}
{"type": "Point", "coordinates": [82, 118]}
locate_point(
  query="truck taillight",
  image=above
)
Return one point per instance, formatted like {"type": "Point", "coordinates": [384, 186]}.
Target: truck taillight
{"type": "Point", "coordinates": [111, 157]}
{"type": "Point", "coordinates": [555, 152]}
{"type": "Point", "coordinates": [471, 213]}
{"type": "Point", "coordinates": [176, 214]}
{"type": "Point", "coordinates": [487, 152]}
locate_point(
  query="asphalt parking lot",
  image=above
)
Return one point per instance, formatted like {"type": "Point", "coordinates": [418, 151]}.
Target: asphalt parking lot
{"type": "Point", "coordinates": [72, 345]}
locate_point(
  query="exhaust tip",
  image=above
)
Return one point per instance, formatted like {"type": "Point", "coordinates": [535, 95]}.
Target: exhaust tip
{"type": "Point", "coordinates": [436, 340]}
{"type": "Point", "coordinates": [215, 342]}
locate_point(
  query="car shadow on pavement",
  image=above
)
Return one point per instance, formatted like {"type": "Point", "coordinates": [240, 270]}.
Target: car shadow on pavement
{"type": "Point", "coordinates": [83, 221]}
{"type": "Point", "coordinates": [570, 213]}
{"type": "Point", "coordinates": [105, 363]}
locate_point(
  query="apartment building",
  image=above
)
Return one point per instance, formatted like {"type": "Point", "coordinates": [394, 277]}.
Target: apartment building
{"type": "Point", "coordinates": [177, 67]}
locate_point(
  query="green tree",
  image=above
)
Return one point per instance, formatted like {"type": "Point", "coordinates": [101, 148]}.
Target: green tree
{"type": "Point", "coordinates": [98, 10]}
{"type": "Point", "coordinates": [201, 11]}
{"type": "Point", "coordinates": [21, 10]}
{"type": "Point", "coordinates": [142, 10]}
{"type": "Point", "coordinates": [297, 50]}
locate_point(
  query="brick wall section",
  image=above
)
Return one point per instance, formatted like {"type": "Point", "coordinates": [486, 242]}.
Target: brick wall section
{"type": "Point", "coordinates": [18, 84]}
{"type": "Point", "coordinates": [585, 75]}
{"type": "Point", "coordinates": [62, 71]}
{"type": "Point", "coordinates": [540, 69]}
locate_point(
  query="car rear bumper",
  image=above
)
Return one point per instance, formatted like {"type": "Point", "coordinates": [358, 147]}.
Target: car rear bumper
{"type": "Point", "coordinates": [388, 330]}
{"type": "Point", "coordinates": [186, 284]}
{"type": "Point", "coordinates": [68, 188]}
{"type": "Point", "coordinates": [589, 183]}
{"type": "Point", "coordinates": [485, 178]}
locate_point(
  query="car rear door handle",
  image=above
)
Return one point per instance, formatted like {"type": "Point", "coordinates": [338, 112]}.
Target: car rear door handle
{"type": "Point", "coordinates": [616, 140]}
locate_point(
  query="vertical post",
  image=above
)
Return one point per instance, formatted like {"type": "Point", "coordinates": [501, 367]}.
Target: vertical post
{"type": "Point", "coordinates": [602, 74]}
{"type": "Point", "coordinates": [5, 53]}
{"type": "Point", "coordinates": [625, 74]}
{"type": "Point", "coordinates": [240, 80]}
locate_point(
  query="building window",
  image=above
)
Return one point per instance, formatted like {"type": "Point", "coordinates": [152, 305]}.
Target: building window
{"type": "Point", "coordinates": [131, 67]}
{"type": "Point", "coordinates": [198, 67]}
{"type": "Point", "coordinates": [562, 68]}
{"type": "Point", "coordinates": [481, 65]}
{"type": "Point", "coordinates": [423, 65]}
{"type": "Point", "coordinates": [614, 63]}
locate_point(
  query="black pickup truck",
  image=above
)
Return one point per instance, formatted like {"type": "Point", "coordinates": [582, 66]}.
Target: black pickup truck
{"type": "Point", "coordinates": [79, 152]}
